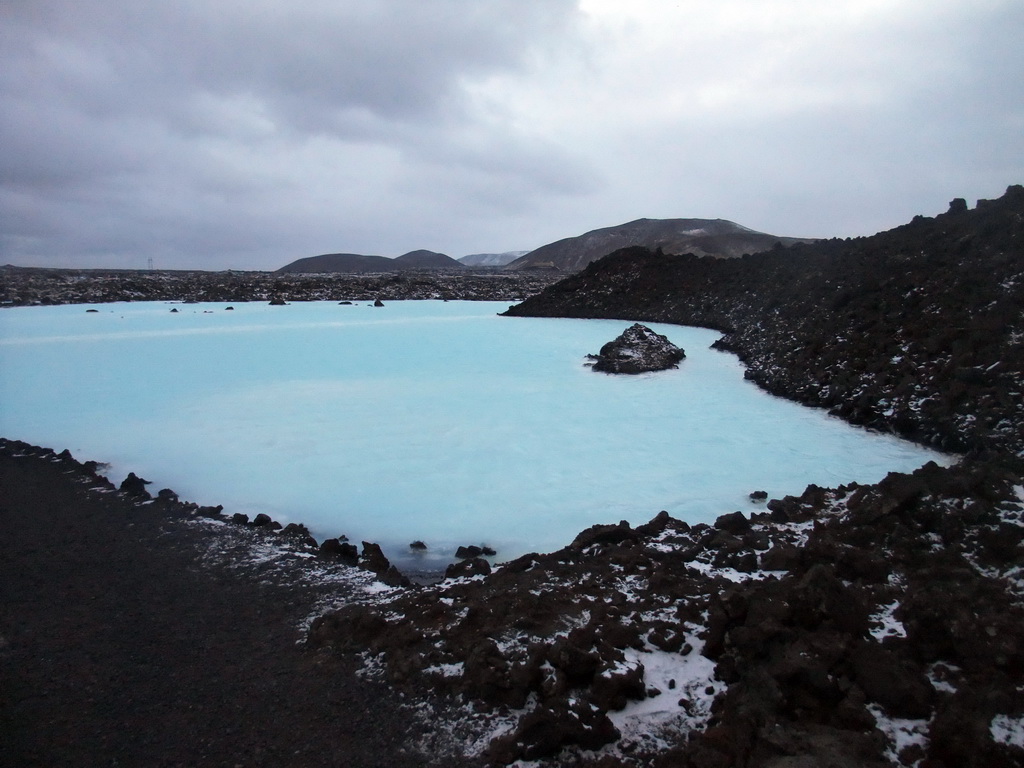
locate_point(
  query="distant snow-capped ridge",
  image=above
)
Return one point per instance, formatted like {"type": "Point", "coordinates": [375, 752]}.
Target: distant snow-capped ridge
{"type": "Point", "coordinates": [491, 259]}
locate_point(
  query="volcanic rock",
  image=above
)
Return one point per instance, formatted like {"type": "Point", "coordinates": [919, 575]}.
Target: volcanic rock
{"type": "Point", "coordinates": [133, 485]}
{"type": "Point", "coordinates": [474, 551]}
{"type": "Point", "coordinates": [335, 548]}
{"type": "Point", "coordinates": [637, 350]}
{"type": "Point", "coordinates": [475, 566]}
{"type": "Point", "coordinates": [373, 558]}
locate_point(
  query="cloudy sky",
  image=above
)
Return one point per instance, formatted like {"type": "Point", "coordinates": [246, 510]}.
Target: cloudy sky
{"type": "Point", "coordinates": [228, 134]}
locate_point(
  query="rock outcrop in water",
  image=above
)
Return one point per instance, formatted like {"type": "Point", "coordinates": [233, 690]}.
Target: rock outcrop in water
{"type": "Point", "coordinates": [638, 349]}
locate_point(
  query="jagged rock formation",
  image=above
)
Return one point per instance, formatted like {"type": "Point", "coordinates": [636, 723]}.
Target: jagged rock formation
{"type": "Point", "coordinates": [638, 349]}
{"type": "Point", "coordinates": [702, 237]}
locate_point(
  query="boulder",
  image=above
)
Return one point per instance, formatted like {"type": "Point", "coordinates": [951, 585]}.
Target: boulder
{"type": "Point", "coordinates": [637, 350]}
{"type": "Point", "coordinates": [166, 494]}
{"type": "Point", "coordinates": [474, 566]}
{"type": "Point", "coordinates": [544, 731]}
{"type": "Point", "coordinates": [734, 522]}
{"type": "Point", "coordinates": [335, 548]}
{"type": "Point", "coordinates": [604, 534]}
{"type": "Point", "coordinates": [473, 551]}
{"type": "Point", "coordinates": [301, 535]}
{"type": "Point", "coordinates": [133, 485]}
{"type": "Point", "coordinates": [373, 559]}
{"type": "Point", "coordinates": [894, 681]}
{"type": "Point", "coordinates": [616, 685]}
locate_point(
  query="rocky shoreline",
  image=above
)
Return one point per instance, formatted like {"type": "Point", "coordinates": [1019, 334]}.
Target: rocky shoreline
{"type": "Point", "coordinates": [150, 633]}
{"type": "Point", "coordinates": [856, 626]}
{"type": "Point", "coordinates": [864, 625]}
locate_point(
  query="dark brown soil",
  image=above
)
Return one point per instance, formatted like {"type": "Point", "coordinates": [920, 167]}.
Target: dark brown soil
{"type": "Point", "coordinates": [122, 645]}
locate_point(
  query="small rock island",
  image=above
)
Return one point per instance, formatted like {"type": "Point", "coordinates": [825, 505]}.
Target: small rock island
{"type": "Point", "coordinates": [637, 350]}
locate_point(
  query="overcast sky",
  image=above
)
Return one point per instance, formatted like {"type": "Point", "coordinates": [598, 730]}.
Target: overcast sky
{"type": "Point", "coordinates": [226, 134]}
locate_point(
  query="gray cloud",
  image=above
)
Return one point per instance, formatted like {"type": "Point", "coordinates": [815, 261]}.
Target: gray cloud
{"type": "Point", "coordinates": [248, 134]}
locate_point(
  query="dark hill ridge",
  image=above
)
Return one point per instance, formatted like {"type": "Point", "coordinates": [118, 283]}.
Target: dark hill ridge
{"type": "Point", "coordinates": [703, 237]}
{"type": "Point", "coordinates": [428, 260]}
{"type": "Point", "coordinates": [338, 262]}
{"type": "Point", "coordinates": [357, 262]}
{"type": "Point", "coordinates": [918, 330]}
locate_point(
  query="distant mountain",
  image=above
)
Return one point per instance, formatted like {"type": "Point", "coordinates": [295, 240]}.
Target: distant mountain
{"type": "Point", "coordinates": [340, 262]}
{"type": "Point", "coordinates": [702, 237]}
{"type": "Point", "coordinates": [357, 262]}
{"type": "Point", "coordinates": [491, 259]}
{"type": "Point", "coordinates": [427, 260]}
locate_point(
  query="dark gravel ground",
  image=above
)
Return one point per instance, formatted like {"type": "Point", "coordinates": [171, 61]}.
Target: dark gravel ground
{"type": "Point", "coordinates": [121, 645]}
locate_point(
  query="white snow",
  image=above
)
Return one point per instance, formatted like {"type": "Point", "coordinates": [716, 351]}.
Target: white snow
{"type": "Point", "coordinates": [885, 624]}
{"type": "Point", "coordinates": [684, 707]}
{"type": "Point", "coordinates": [899, 732]}
{"type": "Point", "coordinates": [939, 675]}
{"type": "Point", "coordinates": [1008, 730]}
{"type": "Point", "coordinates": [446, 670]}
{"type": "Point", "coordinates": [429, 420]}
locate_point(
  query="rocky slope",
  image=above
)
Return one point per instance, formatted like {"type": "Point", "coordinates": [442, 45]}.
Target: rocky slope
{"type": "Point", "coordinates": [704, 237]}
{"type": "Point", "coordinates": [918, 330]}
{"type": "Point", "coordinates": [858, 626]}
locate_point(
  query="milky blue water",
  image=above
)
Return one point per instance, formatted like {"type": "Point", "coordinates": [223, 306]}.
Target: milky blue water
{"type": "Point", "coordinates": [427, 420]}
